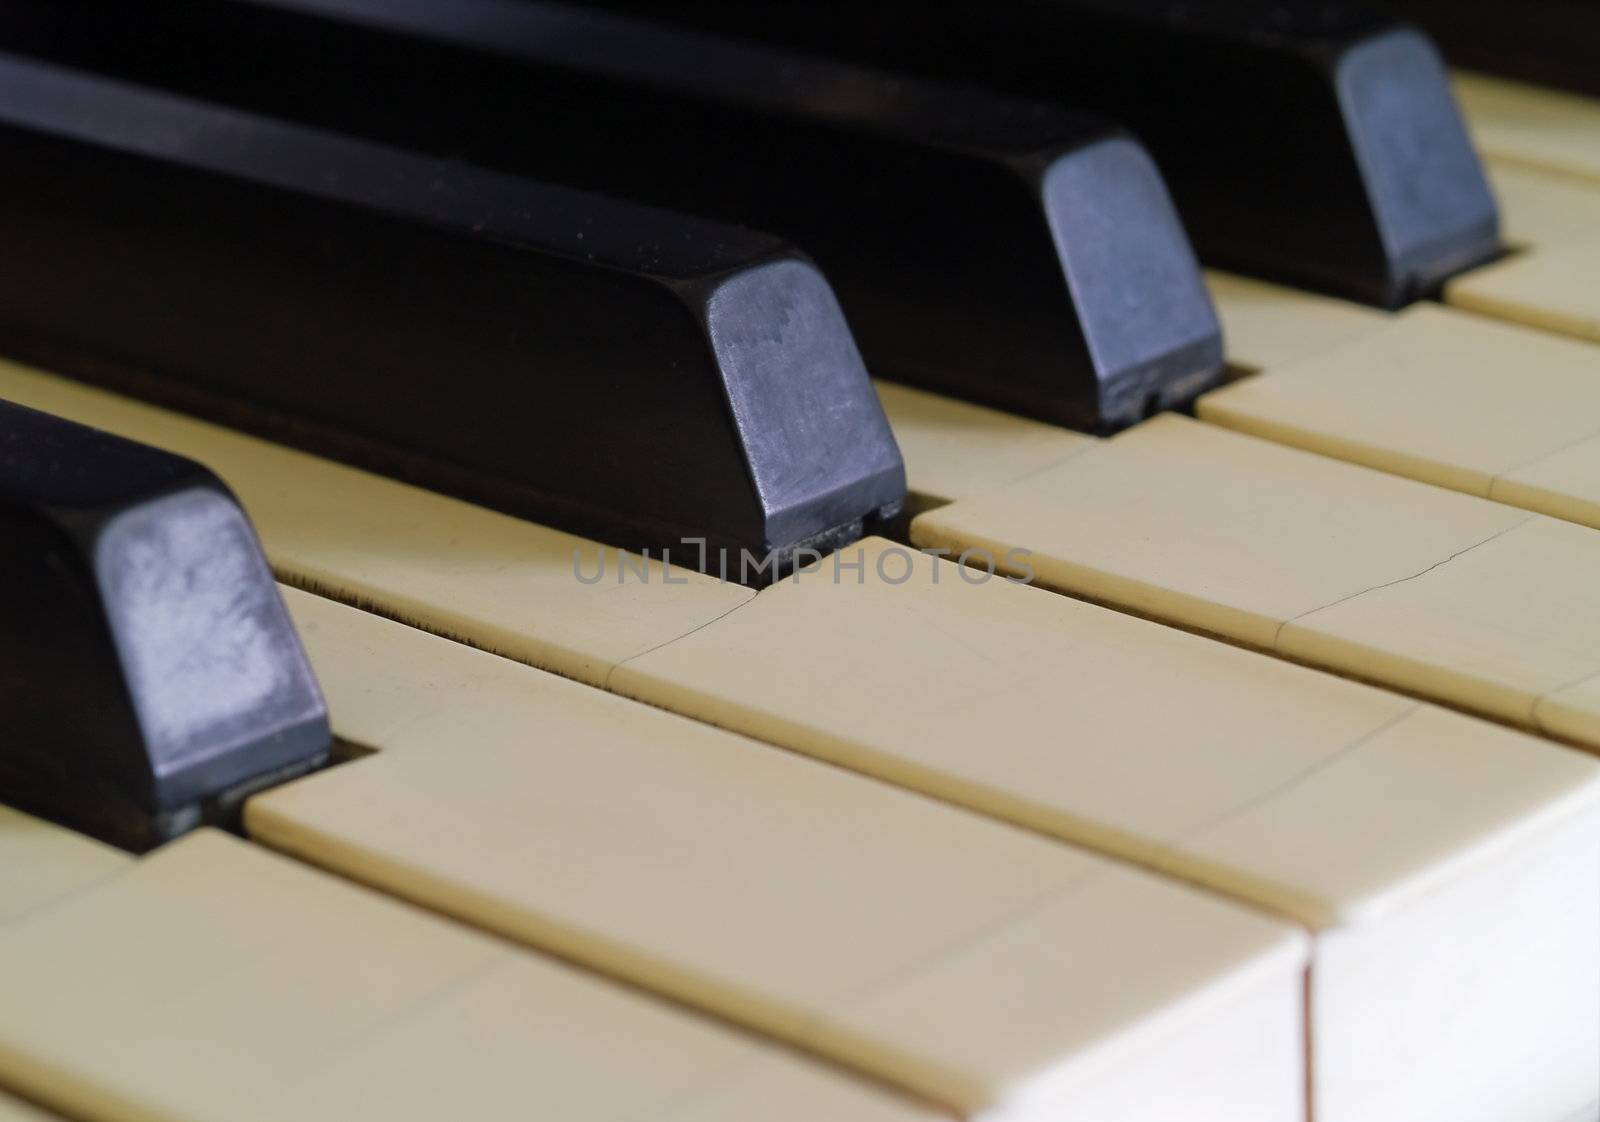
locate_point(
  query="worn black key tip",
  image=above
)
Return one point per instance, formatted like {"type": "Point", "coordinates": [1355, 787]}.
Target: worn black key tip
{"type": "Point", "coordinates": [818, 447]}
{"type": "Point", "coordinates": [1431, 204]}
{"type": "Point", "coordinates": [149, 673]}
{"type": "Point", "coordinates": [1148, 324]}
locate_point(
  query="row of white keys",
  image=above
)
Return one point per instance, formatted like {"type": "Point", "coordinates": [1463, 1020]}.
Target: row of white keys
{"type": "Point", "coordinates": [1442, 396]}
{"type": "Point", "coordinates": [1543, 152]}
{"type": "Point", "coordinates": [1552, 280]}
{"type": "Point", "coordinates": [1531, 126]}
{"type": "Point", "coordinates": [1492, 409]}
{"type": "Point", "coordinates": [214, 980]}
{"type": "Point", "coordinates": [1218, 789]}
{"type": "Point", "coordinates": [1390, 828]}
{"type": "Point", "coordinates": [1450, 597]}
{"type": "Point", "coordinates": [1220, 533]}
{"type": "Point", "coordinates": [966, 961]}
{"type": "Point", "coordinates": [1500, 410]}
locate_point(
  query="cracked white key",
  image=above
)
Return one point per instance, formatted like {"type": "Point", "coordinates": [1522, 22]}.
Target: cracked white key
{"type": "Point", "coordinates": [760, 883]}
{"type": "Point", "coordinates": [1444, 595]}
{"type": "Point", "coordinates": [1492, 409]}
{"type": "Point", "coordinates": [214, 980]}
{"type": "Point", "coordinates": [963, 960]}
{"type": "Point", "coordinates": [448, 566]}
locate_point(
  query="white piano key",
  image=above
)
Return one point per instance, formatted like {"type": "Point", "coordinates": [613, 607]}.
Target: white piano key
{"type": "Point", "coordinates": [1443, 595]}
{"type": "Point", "coordinates": [1512, 122]}
{"type": "Point", "coordinates": [963, 960]}
{"type": "Point", "coordinates": [214, 980]}
{"type": "Point", "coordinates": [1266, 325]}
{"type": "Point", "coordinates": [1553, 289]}
{"type": "Point", "coordinates": [1442, 397]}
{"type": "Point", "coordinates": [41, 863]}
{"type": "Point", "coordinates": [1353, 811]}
{"type": "Point", "coordinates": [1543, 209]}
{"type": "Point", "coordinates": [1551, 283]}
{"type": "Point", "coordinates": [953, 449]}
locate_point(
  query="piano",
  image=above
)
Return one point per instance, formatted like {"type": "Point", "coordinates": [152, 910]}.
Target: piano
{"type": "Point", "coordinates": [867, 562]}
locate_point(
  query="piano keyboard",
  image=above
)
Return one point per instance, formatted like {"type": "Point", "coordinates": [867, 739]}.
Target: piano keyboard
{"type": "Point", "coordinates": [479, 643]}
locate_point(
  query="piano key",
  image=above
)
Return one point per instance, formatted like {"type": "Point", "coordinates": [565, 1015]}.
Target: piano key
{"type": "Point", "coordinates": [1359, 813]}
{"type": "Point", "coordinates": [511, 585]}
{"type": "Point", "coordinates": [214, 980]}
{"type": "Point", "coordinates": [1267, 326]}
{"type": "Point", "coordinates": [1532, 126]}
{"type": "Point", "coordinates": [912, 196]}
{"type": "Point", "coordinates": [1543, 209]}
{"type": "Point", "coordinates": [1561, 483]}
{"type": "Point", "coordinates": [41, 863]}
{"type": "Point", "coordinates": [1551, 289]}
{"type": "Point", "coordinates": [1555, 218]}
{"type": "Point", "coordinates": [956, 958]}
{"type": "Point", "coordinates": [1443, 595]}
{"type": "Point", "coordinates": [148, 673]}
{"type": "Point", "coordinates": [1261, 114]}
{"type": "Point", "coordinates": [477, 308]}
{"type": "Point", "coordinates": [1442, 397]}
{"type": "Point", "coordinates": [953, 449]}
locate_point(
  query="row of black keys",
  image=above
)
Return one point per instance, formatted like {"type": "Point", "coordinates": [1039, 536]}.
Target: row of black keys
{"type": "Point", "coordinates": [424, 237]}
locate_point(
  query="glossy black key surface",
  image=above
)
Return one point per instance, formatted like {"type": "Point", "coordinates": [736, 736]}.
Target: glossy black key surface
{"type": "Point", "coordinates": [149, 674]}
{"type": "Point", "coordinates": [621, 371]}
{"type": "Point", "coordinates": [1004, 251]}
{"type": "Point", "coordinates": [1548, 42]}
{"type": "Point", "coordinates": [1305, 141]}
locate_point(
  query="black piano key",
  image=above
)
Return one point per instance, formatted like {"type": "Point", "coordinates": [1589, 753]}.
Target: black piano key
{"type": "Point", "coordinates": [1546, 42]}
{"type": "Point", "coordinates": [1004, 251]}
{"type": "Point", "coordinates": [149, 674]}
{"type": "Point", "coordinates": [621, 371]}
{"type": "Point", "coordinates": [1309, 142]}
